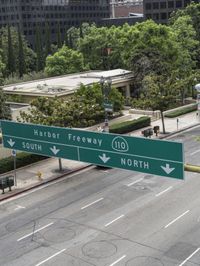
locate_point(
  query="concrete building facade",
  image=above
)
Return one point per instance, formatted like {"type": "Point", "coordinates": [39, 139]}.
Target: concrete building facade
{"type": "Point", "coordinates": [160, 10]}
{"type": "Point", "coordinates": [57, 13]}
{"type": "Point", "coordinates": [65, 86]}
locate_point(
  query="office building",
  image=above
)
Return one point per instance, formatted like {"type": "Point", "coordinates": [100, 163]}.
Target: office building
{"type": "Point", "coordinates": [160, 10]}
{"type": "Point", "coordinates": [57, 13]}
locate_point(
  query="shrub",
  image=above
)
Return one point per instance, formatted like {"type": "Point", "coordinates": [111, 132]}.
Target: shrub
{"type": "Point", "coordinates": [22, 159]}
{"type": "Point", "coordinates": [129, 126]}
{"type": "Point", "coordinates": [181, 111]}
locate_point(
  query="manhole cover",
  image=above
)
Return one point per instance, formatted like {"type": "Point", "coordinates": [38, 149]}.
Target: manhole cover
{"type": "Point", "coordinates": [58, 235]}
{"type": "Point", "coordinates": [99, 249]}
{"type": "Point", "coordinates": [144, 261]}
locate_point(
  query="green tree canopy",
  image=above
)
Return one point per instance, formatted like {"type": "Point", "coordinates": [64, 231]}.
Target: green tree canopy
{"type": "Point", "coordinates": [101, 47]}
{"type": "Point", "coordinates": [29, 55]}
{"type": "Point", "coordinates": [2, 69]}
{"type": "Point", "coordinates": [75, 112]}
{"type": "Point", "coordinates": [193, 11]}
{"type": "Point", "coordinates": [158, 94]}
{"type": "Point", "coordinates": [95, 92]}
{"type": "Point", "coordinates": [152, 49]}
{"type": "Point", "coordinates": [5, 111]}
{"type": "Point", "coordinates": [85, 108]}
{"type": "Point", "coordinates": [64, 61]}
{"type": "Point", "coordinates": [191, 15]}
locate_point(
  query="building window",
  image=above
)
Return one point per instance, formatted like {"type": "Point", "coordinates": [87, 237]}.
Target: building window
{"type": "Point", "coordinates": [163, 16]}
{"type": "Point", "coordinates": [155, 5]}
{"type": "Point", "coordinates": [163, 5]}
{"type": "Point", "coordinates": [178, 4]}
{"type": "Point", "coordinates": [155, 16]}
{"type": "Point", "coordinates": [148, 16]}
{"type": "Point", "coordinates": [148, 6]}
{"type": "Point", "coordinates": [171, 4]}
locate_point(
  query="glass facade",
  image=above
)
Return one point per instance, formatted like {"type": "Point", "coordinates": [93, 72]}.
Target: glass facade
{"type": "Point", "coordinates": [63, 13]}
{"type": "Point", "coordinates": [160, 10]}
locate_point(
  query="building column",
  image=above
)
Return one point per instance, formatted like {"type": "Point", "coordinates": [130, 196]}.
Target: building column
{"type": "Point", "coordinates": [127, 91]}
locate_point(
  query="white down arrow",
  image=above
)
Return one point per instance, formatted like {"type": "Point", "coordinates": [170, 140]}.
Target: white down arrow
{"type": "Point", "coordinates": [54, 150]}
{"type": "Point", "coordinates": [11, 142]}
{"type": "Point", "coordinates": [167, 168]}
{"type": "Point", "coordinates": [104, 158]}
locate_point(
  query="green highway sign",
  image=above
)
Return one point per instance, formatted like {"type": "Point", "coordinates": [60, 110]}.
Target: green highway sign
{"type": "Point", "coordinates": [159, 157]}
{"type": "Point", "coordinates": [108, 107]}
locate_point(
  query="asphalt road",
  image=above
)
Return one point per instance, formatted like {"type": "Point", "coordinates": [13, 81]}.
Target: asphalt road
{"type": "Point", "coordinates": [106, 218]}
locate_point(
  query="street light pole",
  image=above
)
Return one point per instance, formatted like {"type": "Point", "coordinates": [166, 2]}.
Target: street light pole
{"type": "Point", "coordinates": [105, 87]}
{"type": "Point", "coordinates": [197, 87]}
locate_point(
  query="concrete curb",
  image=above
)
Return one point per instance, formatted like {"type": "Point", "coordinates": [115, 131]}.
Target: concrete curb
{"type": "Point", "coordinates": [44, 182]}
{"type": "Point", "coordinates": [178, 131]}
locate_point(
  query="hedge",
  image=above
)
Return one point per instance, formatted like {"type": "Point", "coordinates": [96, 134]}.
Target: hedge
{"type": "Point", "coordinates": [128, 126]}
{"type": "Point", "coordinates": [181, 111]}
{"type": "Point", "coordinates": [22, 159]}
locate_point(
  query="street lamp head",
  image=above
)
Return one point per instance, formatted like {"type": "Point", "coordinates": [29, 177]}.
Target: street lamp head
{"type": "Point", "coordinates": [197, 87]}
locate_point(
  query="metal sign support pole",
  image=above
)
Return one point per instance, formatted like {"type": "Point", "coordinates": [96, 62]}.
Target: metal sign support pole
{"type": "Point", "coordinates": [15, 172]}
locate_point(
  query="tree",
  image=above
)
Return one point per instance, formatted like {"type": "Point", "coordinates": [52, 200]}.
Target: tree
{"type": "Point", "coordinates": [2, 69]}
{"type": "Point", "coordinates": [5, 111]}
{"type": "Point", "coordinates": [158, 94]}
{"type": "Point", "coordinates": [192, 13]}
{"type": "Point", "coordinates": [95, 92]}
{"type": "Point", "coordinates": [117, 99]}
{"type": "Point", "coordinates": [73, 37]}
{"type": "Point", "coordinates": [152, 49]}
{"type": "Point", "coordinates": [64, 61]}
{"type": "Point", "coordinates": [38, 48]}
{"type": "Point", "coordinates": [59, 41]}
{"type": "Point", "coordinates": [75, 112]}
{"type": "Point", "coordinates": [85, 108]}
{"type": "Point", "coordinates": [11, 58]}
{"type": "Point", "coordinates": [21, 58]}
{"type": "Point", "coordinates": [185, 34]}
{"type": "Point", "coordinates": [47, 40]}
{"type": "Point", "coordinates": [100, 47]}
{"type": "Point", "coordinates": [29, 54]}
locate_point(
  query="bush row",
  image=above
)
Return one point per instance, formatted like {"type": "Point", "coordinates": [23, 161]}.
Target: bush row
{"type": "Point", "coordinates": [128, 126]}
{"type": "Point", "coordinates": [22, 159]}
{"type": "Point", "coordinates": [181, 111]}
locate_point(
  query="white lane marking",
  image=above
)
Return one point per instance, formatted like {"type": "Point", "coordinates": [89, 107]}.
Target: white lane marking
{"type": "Point", "coordinates": [134, 182]}
{"type": "Point", "coordinates": [189, 257]}
{"type": "Point", "coordinates": [91, 203]}
{"type": "Point", "coordinates": [114, 220]}
{"type": "Point", "coordinates": [19, 207]}
{"type": "Point", "coordinates": [177, 218]}
{"type": "Point", "coordinates": [192, 153]}
{"type": "Point", "coordinates": [115, 262]}
{"type": "Point", "coordinates": [35, 231]}
{"type": "Point", "coordinates": [157, 195]}
{"type": "Point", "coordinates": [44, 186]}
{"type": "Point", "coordinates": [56, 254]}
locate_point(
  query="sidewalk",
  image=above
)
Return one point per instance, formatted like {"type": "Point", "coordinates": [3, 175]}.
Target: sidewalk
{"type": "Point", "coordinates": [172, 125]}
{"type": "Point", "coordinates": [27, 176]}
